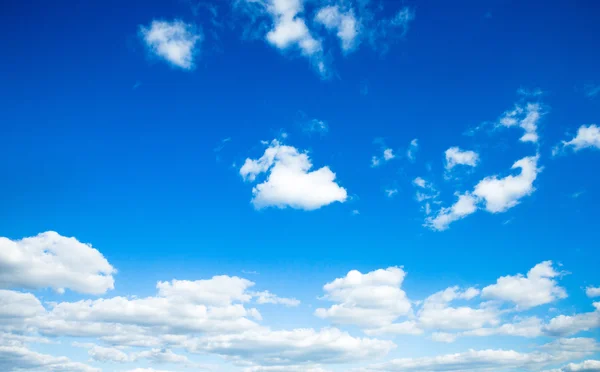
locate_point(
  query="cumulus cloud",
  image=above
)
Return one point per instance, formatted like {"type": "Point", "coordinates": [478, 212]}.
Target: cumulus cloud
{"type": "Point", "coordinates": [585, 366]}
{"type": "Point", "coordinates": [50, 260]}
{"type": "Point", "coordinates": [175, 42]}
{"type": "Point", "coordinates": [455, 156]}
{"type": "Point", "coordinates": [266, 297]}
{"type": "Point", "coordinates": [344, 23]}
{"type": "Point", "coordinates": [525, 116]}
{"type": "Point", "coordinates": [539, 287]}
{"type": "Point", "coordinates": [372, 300]}
{"type": "Point", "coordinates": [17, 358]}
{"type": "Point", "coordinates": [592, 291]}
{"type": "Point", "coordinates": [464, 206]}
{"type": "Point", "coordinates": [565, 325]}
{"type": "Point", "coordinates": [290, 182]}
{"type": "Point", "coordinates": [588, 136]}
{"type": "Point", "coordinates": [411, 153]}
{"type": "Point", "coordinates": [501, 194]}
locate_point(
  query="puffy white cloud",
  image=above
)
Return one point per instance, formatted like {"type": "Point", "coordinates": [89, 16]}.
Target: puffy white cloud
{"type": "Point", "coordinates": [564, 325]}
{"type": "Point", "coordinates": [501, 194]}
{"type": "Point", "coordinates": [17, 358]}
{"type": "Point", "coordinates": [388, 154]}
{"type": "Point", "coordinates": [539, 287]}
{"type": "Point", "coordinates": [455, 156]}
{"type": "Point", "coordinates": [436, 313]}
{"type": "Point", "coordinates": [592, 291]}
{"type": "Point", "coordinates": [529, 327]}
{"type": "Point", "coordinates": [18, 305]}
{"type": "Point", "coordinates": [108, 354]}
{"type": "Point", "coordinates": [265, 347]}
{"type": "Point", "coordinates": [372, 300]}
{"type": "Point", "coordinates": [290, 29]}
{"type": "Point", "coordinates": [525, 116]}
{"type": "Point", "coordinates": [290, 182]}
{"type": "Point", "coordinates": [585, 366]}
{"type": "Point", "coordinates": [219, 290]}
{"type": "Point", "coordinates": [464, 206]}
{"type": "Point", "coordinates": [266, 297]}
{"type": "Point", "coordinates": [472, 360]}
{"type": "Point", "coordinates": [176, 42]}
{"type": "Point", "coordinates": [344, 23]}
{"type": "Point", "coordinates": [588, 136]}
{"type": "Point", "coordinates": [50, 260]}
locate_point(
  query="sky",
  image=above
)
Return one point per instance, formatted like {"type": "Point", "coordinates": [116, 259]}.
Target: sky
{"type": "Point", "coordinates": [299, 186]}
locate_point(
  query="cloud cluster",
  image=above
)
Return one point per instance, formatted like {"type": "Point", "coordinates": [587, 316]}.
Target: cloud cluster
{"type": "Point", "coordinates": [290, 181]}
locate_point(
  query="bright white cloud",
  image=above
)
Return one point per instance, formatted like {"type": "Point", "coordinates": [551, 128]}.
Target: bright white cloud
{"type": "Point", "coordinates": [344, 23]}
{"type": "Point", "coordinates": [588, 136]}
{"type": "Point", "coordinates": [388, 154]}
{"type": "Point", "coordinates": [464, 206]}
{"type": "Point", "coordinates": [585, 366]}
{"type": "Point", "coordinates": [290, 182]}
{"type": "Point", "coordinates": [18, 305]}
{"type": "Point", "coordinates": [564, 325]}
{"type": "Point", "coordinates": [539, 287]}
{"type": "Point", "coordinates": [592, 291]}
{"type": "Point", "coordinates": [17, 358]}
{"type": "Point", "coordinates": [50, 260]}
{"type": "Point", "coordinates": [455, 156]}
{"type": "Point", "coordinates": [176, 42]}
{"type": "Point", "coordinates": [525, 116]}
{"type": "Point", "coordinates": [501, 194]}
{"type": "Point", "coordinates": [372, 300]}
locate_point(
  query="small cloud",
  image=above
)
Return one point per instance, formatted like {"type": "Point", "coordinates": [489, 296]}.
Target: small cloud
{"type": "Point", "coordinates": [136, 85]}
{"type": "Point", "coordinates": [591, 90]}
{"type": "Point", "coordinates": [175, 42]}
{"type": "Point", "coordinates": [588, 136]}
{"type": "Point", "coordinates": [577, 194]}
{"type": "Point", "coordinates": [355, 212]}
{"type": "Point", "coordinates": [388, 154]}
{"type": "Point", "coordinates": [315, 126]}
{"type": "Point", "coordinates": [455, 156]}
{"type": "Point", "coordinates": [391, 192]}
{"type": "Point", "coordinates": [412, 149]}
{"type": "Point", "coordinates": [247, 272]}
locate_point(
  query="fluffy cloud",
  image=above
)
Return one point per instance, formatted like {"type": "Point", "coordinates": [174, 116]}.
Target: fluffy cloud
{"type": "Point", "coordinates": [564, 325]}
{"type": "Point", "coordinates": [587, 137]}
{"type": "Point", "coordinates": [344, 23]}
{"type": "Point", "coordinates": [372, 300]}
{"type": "Point", "coordinates": [464, 206]}
{"type": "Point", "coordinates": [265, 347]}
{"type": "Point", "coordinates": [592, 291]}
{"type": "Point", "coordinates": [437, 314]}
{"type": "Point", "coordinates": [290, 182]}
{"type": "Point", "coordinates": [16, 358]}
{"type": "Point", "coordinates": [455, 156]}
{"type": "Point", "coordinates": [18, 305]}
{"type": "Point", "coordinates": [50, 260]}
{"type": "Point", "coordinates": [537, 288]}
{"type": "Point", "coordinates": [501, 194]}
{"type": "Point", "coordinates": [585, 366]}
{"type": "Point", "coordinates": [525, 116]}
{"type": "Point", "coordinates": [175, 42]}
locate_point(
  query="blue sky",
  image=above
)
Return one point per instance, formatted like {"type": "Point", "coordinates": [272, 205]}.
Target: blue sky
{"type": "Point", "coordinates": [300, 185]}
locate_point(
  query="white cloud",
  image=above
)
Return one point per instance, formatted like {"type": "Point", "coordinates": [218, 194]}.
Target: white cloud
{"type": "Point", "coordinates": [16, 358]}
{"type": "Point", "coordinates": [472, 360]}
{"type": "Point", "coordinates": [539, 287]}
{"type": "Point", "coordinates": [290, 182]}
{"type": "Point", "coordinates": [18, 305]}
{"type": "Point", "coordinates": [266, 297]}
{"type": "Point", "coordinates": [344, 23]}
{"type": "Point", "coordinates": [587, 137]}
{"type": "Point", "coordinates": [464, 206]}
{"type": "Point", "coordinates": [563, 325]}
{"type": "Point", "coordinates": [388, 154]}
{"type": "Point", "coordinates": [108, 354]}
{"type": "Point", "coordinates": [585, 366]}
{"type": "Point", "coordinates": [176, 42]}
{"type": "Point", "coordinates": [315, 125]}
{"type": "Point", "coordinates": [443, 337]}
{"type": "Point", "coordinates": [455, 156]}
{"type": "Point", "coordinates": [50, 260]}
{"type": "Point", "coordinates": [529, 327]}
{"type": "Point", "coordinates": [501, 194]}
{"type": "Point", "coordinates": [375, 161]}
{"type": "Point", "coordinates": [391, 192]}
{"type": "Point", "coordinates": [525, 116]}
{"type": "Point", "coordinates": [412, 149]}
{"type": "Point", "coordinates": [266, 347]}
{"type": "Point", "coordinates": [372, 300]}
{"type": "Point", "coordinates": [437, 314]}
{"type": "Point", "coordinates": [592, 291]}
